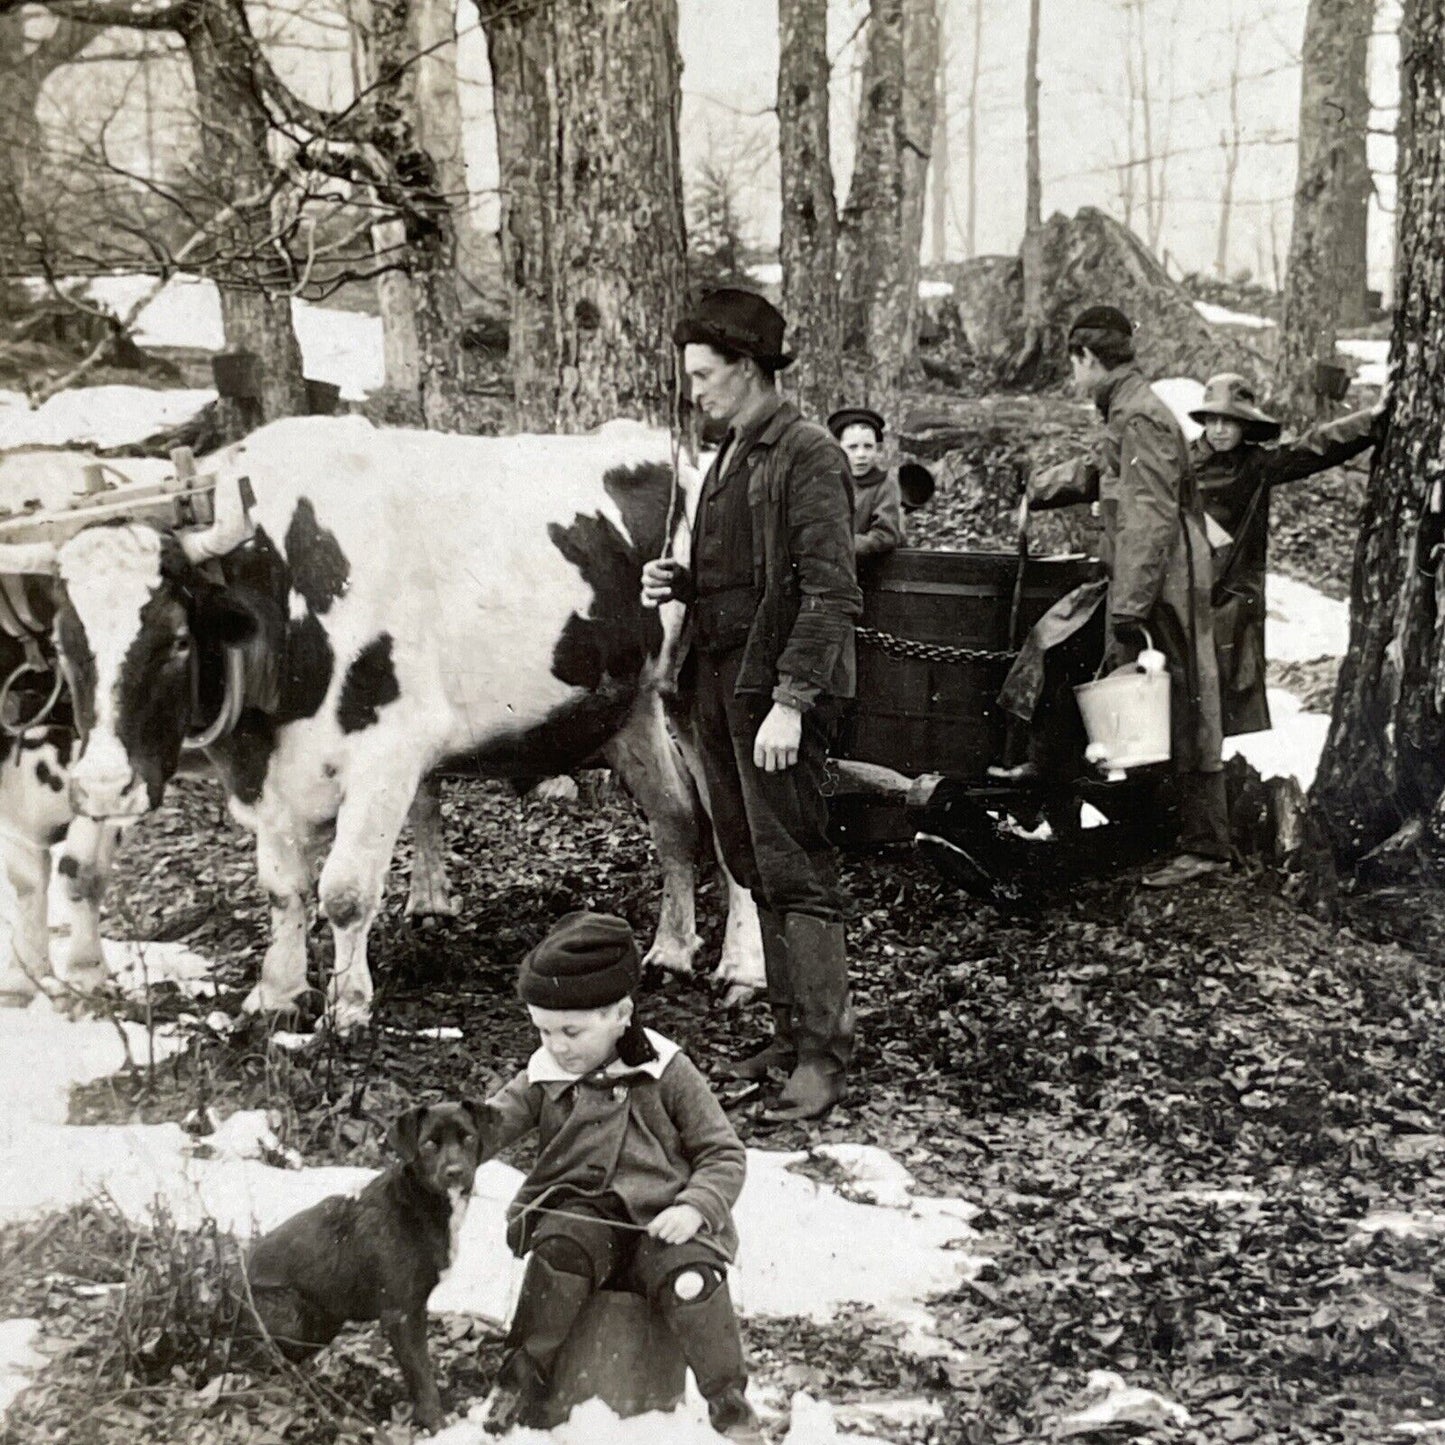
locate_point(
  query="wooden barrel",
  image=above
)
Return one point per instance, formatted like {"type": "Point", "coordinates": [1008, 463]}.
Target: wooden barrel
{"type": "Point", "coordinates": [918, 715]}
{"type": "Point", "coordinates": [620, 1352]}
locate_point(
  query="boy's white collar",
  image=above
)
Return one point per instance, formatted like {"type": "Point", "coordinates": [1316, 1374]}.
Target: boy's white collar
{"type": "Point", "coordinates": [542, 1068]}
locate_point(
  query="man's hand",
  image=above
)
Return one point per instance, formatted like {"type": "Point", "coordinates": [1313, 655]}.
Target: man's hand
{"type": "Point", "coordinates": [776, 745]}
{"type": "Point", "coordinates": [676, 1225]}
{"type": "Point", "coordinates": [1125, 645]}
{"type": "Point", "coordinates": [663, 580]}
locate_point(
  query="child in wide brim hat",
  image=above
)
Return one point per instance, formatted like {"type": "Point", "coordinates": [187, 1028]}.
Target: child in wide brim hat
{"type": "Point", "coordinates": [636, 1173]}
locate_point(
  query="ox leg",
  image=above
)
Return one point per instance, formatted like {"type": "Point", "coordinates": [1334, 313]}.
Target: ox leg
{"type": "Point", "coordinates": [285, 866]}
{"type": "Point", "coordinates": [351, 882]}
{"type": "Point", "coordinates": [85, 864]}
{"type": "Point", "coordinates": [33, 809]}
{"type": "Point", "coordinates": [430, 895]}
{"type": "Point", "coordinates": [741, 964]}
{"type": "Point", "coordinates": [648, 762]}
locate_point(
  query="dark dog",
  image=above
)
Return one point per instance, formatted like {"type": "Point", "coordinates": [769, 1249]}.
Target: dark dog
{"type": "Point", "coordinates": [376, 1256]}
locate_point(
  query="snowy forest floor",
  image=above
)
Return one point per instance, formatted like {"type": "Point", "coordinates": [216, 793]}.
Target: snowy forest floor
{"type": "Point", "coordinates": [1201, 1129]}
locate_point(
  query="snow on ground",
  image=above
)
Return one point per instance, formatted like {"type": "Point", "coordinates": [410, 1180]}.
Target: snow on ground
{"type": "Point", "coordinates": [1181, 394]}
{"type": "Point", "coordinates": [342, 347]}
{"type": "Point", "coordinates": [18, 1358]}
{"type": "Point", "coordinates": [1374, 357]}
{"type": "Point", "coordinates": [1303, 622]}
{"type": "Point", "coordinates": [770, 273]}
{"type": "Point", "coordinates": [1291, 748]}
{"type": "Point", "coordinates": [808, 1248]}
{"type": "Point", "coordinates": [100, 416]}
{"type": "Point", "coordinates": [1223, 316]}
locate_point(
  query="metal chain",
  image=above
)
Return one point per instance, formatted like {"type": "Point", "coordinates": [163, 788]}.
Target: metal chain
{"type": "Point", "coordinates": [941, 652]}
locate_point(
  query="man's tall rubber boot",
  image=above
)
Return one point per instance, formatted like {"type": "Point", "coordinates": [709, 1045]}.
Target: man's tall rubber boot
{"type": "Point", "coordinates": [823, 1020]}
{"type": "Point", "coordinates": [547, 1308]}
{"type": "Point", "coordinates": [712, 1344]}
{"type": "Point", "coordinates": [781, 1051]}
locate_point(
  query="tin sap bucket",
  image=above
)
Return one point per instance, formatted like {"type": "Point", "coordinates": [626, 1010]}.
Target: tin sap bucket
{"type": "Point", "coordinates": [1126, 714]}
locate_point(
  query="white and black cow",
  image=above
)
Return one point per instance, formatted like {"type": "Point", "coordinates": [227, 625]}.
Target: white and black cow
{"type": "Point", "coordinates": [399, 602]}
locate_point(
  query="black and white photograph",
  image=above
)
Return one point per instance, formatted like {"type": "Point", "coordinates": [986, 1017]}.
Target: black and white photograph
{"type": "Point", "coordinates": [722, 720]}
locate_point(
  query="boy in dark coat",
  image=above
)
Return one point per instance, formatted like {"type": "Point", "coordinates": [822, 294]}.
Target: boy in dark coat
{"type": "Point", "coordinates": [1237, 471]}
{"type": "Point", "coordinates": [877, 500]}
{"type": "Point", "coordinates": [636, 1173]}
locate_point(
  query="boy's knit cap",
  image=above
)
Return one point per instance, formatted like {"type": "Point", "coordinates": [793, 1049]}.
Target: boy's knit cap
{"type": "Point", "coordinates": [589, 960]}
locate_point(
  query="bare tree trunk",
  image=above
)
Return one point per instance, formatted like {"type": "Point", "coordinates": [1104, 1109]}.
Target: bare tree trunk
{"type": "Point", "coordinates": [809, 236]}
{"type": "Point", "coordinates": [1384, 760]}
{"type": "Point", "coordinates": [421, 202]}
{"type": "Point", "coordinates": [971, 237]}
{"type": "Point", "coordinates": [1033, 184]}
{"type": "Point", "coordinates": [25, 64]}
{"type": "Point", "coordinates": [252, 273]}
{"type": "Point", "coordinates": [882, 228]}
{"type": "Point", "coordinates": [940, 165]}
{"type": "Point", "coordinates": [619, 253]}
{"type": "Point", "coordinates": [1311, 298]}
{"type": "Point", "coordinates": [1356, 184]}
{"type": "Point", "coordinates": [520, 46]}
{"type": "Point", "coordinates": [1229, 144]}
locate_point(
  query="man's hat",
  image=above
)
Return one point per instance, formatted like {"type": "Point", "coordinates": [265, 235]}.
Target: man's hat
{"type": "Point", "coordinates": [1231, 395]}
{"type": "Point", "coordinates": [1101, 318]}
{"type": "Point", "coordinates": [589, 960]}
{"type": "Point", "coordinates": [737, 320]}
{"type": "Point", "coordinates": [848, 416]}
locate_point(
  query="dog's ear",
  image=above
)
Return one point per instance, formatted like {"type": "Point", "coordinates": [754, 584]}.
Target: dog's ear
{"type": "Point", "coordinates": [484, 1121]}
{"type": "Point", "coordinates": [404, 1136]}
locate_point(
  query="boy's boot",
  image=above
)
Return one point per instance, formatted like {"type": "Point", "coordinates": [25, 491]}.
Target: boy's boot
{"type": "Point", "coordinates": [781, 1051]}
{"type": "Point", "coordinates": [547, 1308]}
{"type": "Point", "coordinates": [707, 1330]}
{"type": "Point", "coordinates": [823, 1020]}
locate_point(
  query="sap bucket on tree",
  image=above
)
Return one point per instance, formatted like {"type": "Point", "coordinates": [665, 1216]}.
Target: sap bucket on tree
{"type": "Point", "coordinates": [1126, 714]}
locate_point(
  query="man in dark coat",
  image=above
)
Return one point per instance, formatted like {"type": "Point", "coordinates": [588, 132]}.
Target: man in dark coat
{"type": "Point", "coordinates": [877, 497]}
{"type": "Point", "coordinates": [1237, 471]}
{"type": "Point", "coordinates": [767, 657]}
{"type": "Point", "coordinates": [1158, 561]}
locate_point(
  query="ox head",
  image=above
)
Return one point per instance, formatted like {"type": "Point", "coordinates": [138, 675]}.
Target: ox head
{"type": "Point", "coordinates": [137, 622]}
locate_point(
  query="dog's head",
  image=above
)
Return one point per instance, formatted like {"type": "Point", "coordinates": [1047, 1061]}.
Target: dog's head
{"type": "Point", "coordinates": [441, 1144]}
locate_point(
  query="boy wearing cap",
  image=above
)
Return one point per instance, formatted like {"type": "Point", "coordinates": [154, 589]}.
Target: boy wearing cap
{"type": "Point", "coordinates": [1237, 470]}
{"type": "Point", "coordinates": [1157, 555]}
{"type": "Point", "coordinates": [637, 1169]}
{"type": "Point", "coordinates": [877, 500]}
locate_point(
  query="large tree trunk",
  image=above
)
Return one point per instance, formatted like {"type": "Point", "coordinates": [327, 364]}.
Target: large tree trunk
{"type": "Point", "coordinates": [1311, 297]}
{"type": "Point", "coordinates": [971, 236]}
{"type": "Point", "coordinates": [619, 249]}
{"type": "Point", "coordinates": [1356, 183]}
{"type": "Point", "coordinates": [25, 64]}
{"type": "Point", "coordinates": [940, 167]}
{"type": "Point", "coordinates": [882, 227]}
{"type": "Point", "coordinates": [809, 244]}
{"type": "Point", "coordinates": [253, 279]}
{"type": "Point", "coordinates": [520, 46]}
{"type": "Point", "coordinates": [1384, 760]}
{"type": "Point", "coordinates": [418, 194]}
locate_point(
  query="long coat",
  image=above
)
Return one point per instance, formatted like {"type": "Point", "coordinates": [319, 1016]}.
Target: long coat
{"type": "Point", "coordinates": [1235, 488]}
{"type": "Point", "coordinates": [1157, 556]}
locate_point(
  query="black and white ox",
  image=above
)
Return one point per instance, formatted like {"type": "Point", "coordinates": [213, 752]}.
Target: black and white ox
{"type": "Point", "coordinates": [395, 603]}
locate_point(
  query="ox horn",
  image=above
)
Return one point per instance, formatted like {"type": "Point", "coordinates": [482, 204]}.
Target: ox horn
{"type": "Point", "coordinates": [29, 557]}
{"type": "Point", "coordinates": [232, 526]}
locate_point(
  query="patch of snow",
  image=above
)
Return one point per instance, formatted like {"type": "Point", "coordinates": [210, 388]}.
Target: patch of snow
{"type": "Point", "coordinates": [131, 966]}
{"type": "Point", "coordinates": [1420, 1427]}
{"type": "Point", "coordinates": [1091, 817]}
{"type": "Point", "coordinates": [909, 1413]}
{"type": "Point", "coordinates": [444, 1034]}
{"type": "Point", "coordinates": [342, 347]}
{"type": "Point", "coordinates": [1110, 1401]}
{"type": "Point", "coordinates": [247, 1134]}
{"type": "Point", "coordinates": [1303, 623]}
{"type": "Point", "coordinates": [1374, 357]}
{"type": "Point", "coordinates": [934, 290]}
{"type": "Point", "coordinates": [1291, 748]}
{"type": "Point", "coordinates": [767, 273]}
{"type": "Point", "coordinates": [19, 1359]}
{"type": "Point", "coordinates": [1402, 1224]}
{"type": "Point", "coordinates": [1181, 394]}
{"type": "Point", "coordinates": [1223, 316]}
{"type": "Point", "coordinates": [284, 1039]}
{"type": "Point", "coordinates": [100, 416]}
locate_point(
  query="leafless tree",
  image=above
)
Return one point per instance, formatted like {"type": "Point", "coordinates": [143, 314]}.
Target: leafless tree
{"type": "Point", "coordinates": [1229, 145]}
{"type": "Point", "coordinates": [1033, 184]}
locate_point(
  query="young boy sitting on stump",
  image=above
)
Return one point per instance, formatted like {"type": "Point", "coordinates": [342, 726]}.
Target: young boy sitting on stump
{"type": "Point", "coordinates": [636, 1173]}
